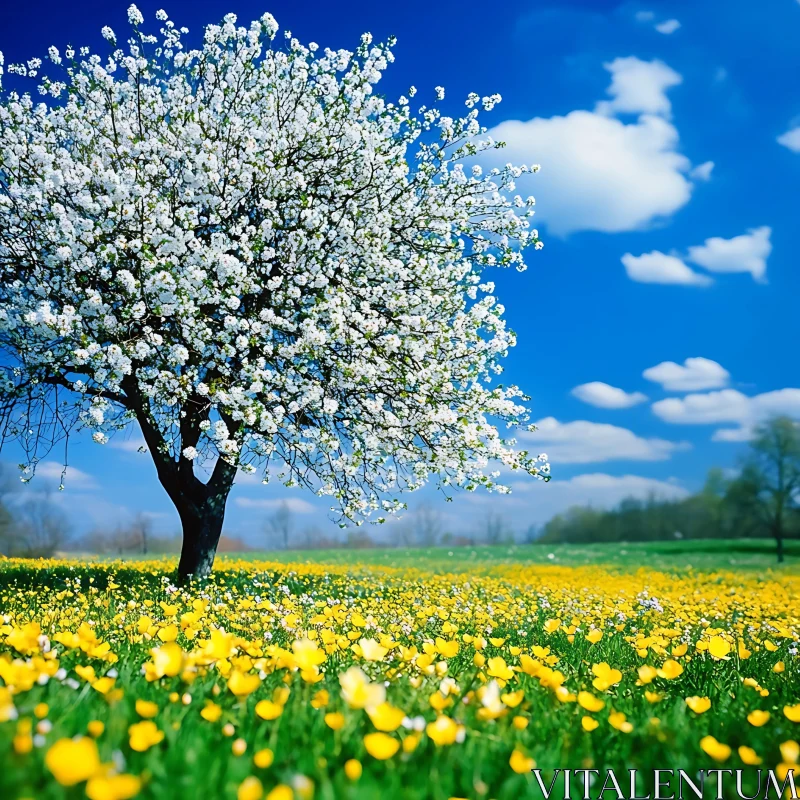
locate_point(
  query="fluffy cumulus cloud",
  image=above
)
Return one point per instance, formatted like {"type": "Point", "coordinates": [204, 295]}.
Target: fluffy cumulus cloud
{"type": "Point", "coordinates": [601, 173]}
{"type": "Point", "coordinates": [668, 26]}
{"type": "Point", "coordinates": [702, 172]}
{"type": "Point", "coordinates": [294, 504]}
{"type": "Point", "coordinates": [658, 267]}
{"type": "Point", "coordinates": [639, 87]}
{"type": "Point", "coordinates": [729, 406]}
{"type": "Point", "coordinates": [583, 442]}
{"type": "Point", "coordinates": [745, 253]}
{"type": "Point", "coordinates": [691, 376]}
{"type": "Point", "coordinates": [791, 139]}
{"type": "Point", "coordinates": [52, 473]}
{"type": "Point", "coordinates": [603, 395]}
{"type": "Point", "coordinates": [596, 489]}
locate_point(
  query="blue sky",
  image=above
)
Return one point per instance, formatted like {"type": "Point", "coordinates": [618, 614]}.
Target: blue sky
{"type": "Point", "coordinates": [667, 130]}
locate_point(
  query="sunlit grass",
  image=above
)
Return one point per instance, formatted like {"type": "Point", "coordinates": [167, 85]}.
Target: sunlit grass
{"type": "Point", "coordinates": [428, 678]}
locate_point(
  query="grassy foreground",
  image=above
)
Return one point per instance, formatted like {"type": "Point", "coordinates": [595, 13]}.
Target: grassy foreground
{"type": "Point", "coordinates": [425, 676]}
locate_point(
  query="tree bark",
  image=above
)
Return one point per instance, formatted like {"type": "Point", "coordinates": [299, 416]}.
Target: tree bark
{"type": "Point", "coordinates": [201, 533]}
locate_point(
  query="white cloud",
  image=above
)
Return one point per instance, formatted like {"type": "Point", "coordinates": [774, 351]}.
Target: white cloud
{"type": "Point", "coordinates": [599, 173]}
{"type": "Point", "coordinates": [668, 26]}
{"type": "Point", "coordinates": [638, 87]}
{"type": "Point", "coordinates": [691, 376]}
{"type": "Point", "coordinates": [134, 443]}
{"type": "Point", "coordinates": [295, 504]}
{"type": "Point", "coordinates": [791, 138]}
{"type": "Point", "coordinates": [702, 172]}
{"type": "Point", "coordinates": [743, 434]}
{"type": "Point", "coordinates": [603, 395]}
{"type": "Point", "coordinates": [658, 267]}
{"type": "Point", "coordinates": [729, 406]}
{"type": "Point", "coordinates": [52, 471]}
{"type": "Point", "coordinates": [583, 442]}
{"type": "Point", "coordinates": [596, 489]}
{"type": "Point", "coordinates": [745, 253]}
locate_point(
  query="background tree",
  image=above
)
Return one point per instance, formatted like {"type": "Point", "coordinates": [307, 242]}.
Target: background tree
{"type": "Point", "coordinates": [248, 252]}
{"type": "Point", "coordinates": [768, 487]}
{"type": "Point", "coordinates": [494, 529]}
{"type": "Point", "coordinates": [280, 525]}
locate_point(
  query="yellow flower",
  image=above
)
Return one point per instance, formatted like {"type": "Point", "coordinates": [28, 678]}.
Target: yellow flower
{"type": "Point", "coordinates": [167, 660]}
{"type": "Point", "coordinates": [243, 683]}
{"type": "Point", "coordinates": [719, 648]}
{"type": "Point", "coordinates": [758, 718]}
{"type": "Point", "coordinates": [95, 728]}
{"type": "Point", "coordinates": [146, 709]}
{"type": "Point", "coordinates": [499, 669]}
{"type": "Point", "coordinates": [520, 763]}
{"type": "Point", "coordinates": [250, 789]}
{"type": "Point", "coordinates": [698, 704]}
{"type": "Point", "coordinates": [143, 735]}
{"type": "Point", "coordinates": [792, 713]}
{"type": "Point", "coordinates": [715, 749]}
{"type": "Point", "coordinates": [307, 654]}
{"type": "Point", "coordinates": [352, 768]}
{"type": "Point", "coordinates": [618, 720]}
{"type": "Point", "coordinates": [168, 634]}
{"type": "Point", "coordinates": [113, 787]}
{"type": "Point", "coordinates": [552, 625]}
{"type": "Point", "coordinates": [103, 685]}
{"type": "Point", "coordinates": [73, 760]}
{"type": "Point", "coordinates": [268, 710]}
{"type": "Point", "coordinates": [334, 720]}
{"type": "Point", "coordinates": [443, 731]}
{"type": "Point", "coordinates": [381, 745]}
{"type": "Point", "coordinates": [588, 701]}
{"type": "Point", "coordinates": [594, 635]}
{"type": "Point", "coordinates": [281, 792]}
{"type": "Point", "coordinates": [520, 723]}
{"type": "Point", "coordinates": [211, 712]}
{"type": "Point", "coordinates": [447, 649]}
{"type": "Point", "coordinates": [386, 717]}
{"type": "Point", "coordinates": [749, 756]}
{"type": "Point", "coordinates": [670, 670]}
{"type": "Point", "coordinates": [357, 690]}
{"type": "Point", "coordinates": [588, 723]}
{"type": "Point", "coordinates": [371, 650]}
{"type": "Point", "coordinates": [790, 751]}
{"type": "Point", "coordinates": [647, 674]}
{"type": "Point", "coordinates": [606, 676]}
{"type": "Point", "coordinates": [744, 653]}
{"type": "Point", "coordinates": [263, 758]}
{"type": "Point", "coordinates": [513, 699]}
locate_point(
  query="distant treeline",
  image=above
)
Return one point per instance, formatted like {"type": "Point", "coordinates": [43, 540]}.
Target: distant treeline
{"type": "Point", "coordinates": [724, 509]}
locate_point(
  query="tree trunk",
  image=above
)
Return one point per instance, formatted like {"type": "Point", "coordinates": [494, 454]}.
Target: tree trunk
{"type": "Point", "coordinates": [201, 534]}
{"type": "Point", "coordinates": [779, 544]}
{"type": "Point", "coordinates": [202, 527]}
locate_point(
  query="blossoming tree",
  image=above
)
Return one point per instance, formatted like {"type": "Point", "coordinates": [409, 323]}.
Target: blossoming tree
{"type": "Point", "coordinates": [246, 251]}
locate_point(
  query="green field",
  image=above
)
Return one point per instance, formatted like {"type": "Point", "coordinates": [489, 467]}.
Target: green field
{"type": "Point", "coordinates": [405, 673]}
{"type": "Point", "coordinates": [703, 554]}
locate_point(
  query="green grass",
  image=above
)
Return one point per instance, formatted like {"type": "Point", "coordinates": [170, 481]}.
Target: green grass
{"type": "Point", "coordinates": [426, 601]}
{"type": "Point", "coordinates": [702, 554]}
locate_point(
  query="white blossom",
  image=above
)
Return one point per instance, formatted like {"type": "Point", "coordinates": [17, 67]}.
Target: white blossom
{"type": "Point", "coordinates": [289, 274]}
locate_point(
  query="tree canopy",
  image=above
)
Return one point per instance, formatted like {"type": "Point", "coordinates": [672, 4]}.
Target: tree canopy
{"type": "Point", "coordinates": [261, 261]}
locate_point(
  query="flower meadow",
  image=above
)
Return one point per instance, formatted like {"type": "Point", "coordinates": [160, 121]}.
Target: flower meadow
{"type": "Point", "coordinates": [357, 681]}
